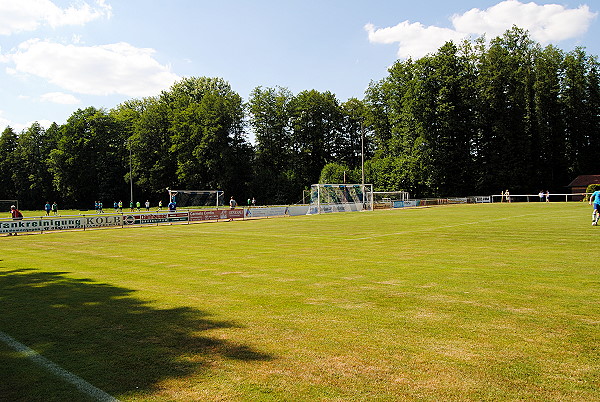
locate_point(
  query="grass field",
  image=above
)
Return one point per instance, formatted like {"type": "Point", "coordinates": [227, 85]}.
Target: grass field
{"type": "Point", "coordinates": [473, 302]}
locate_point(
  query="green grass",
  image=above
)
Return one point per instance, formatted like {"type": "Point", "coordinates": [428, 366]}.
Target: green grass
{"type": "Point", "coordinates": [474, 302]}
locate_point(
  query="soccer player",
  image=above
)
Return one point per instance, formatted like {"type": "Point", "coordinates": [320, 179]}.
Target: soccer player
{"type": "Point", "coordinates": [595, 198]}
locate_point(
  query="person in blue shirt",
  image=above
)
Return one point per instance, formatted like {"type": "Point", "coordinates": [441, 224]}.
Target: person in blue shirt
{"type": "Point", "coordinates": [47, 208]}
{"type": "Point", "coordinates": [595, 198]}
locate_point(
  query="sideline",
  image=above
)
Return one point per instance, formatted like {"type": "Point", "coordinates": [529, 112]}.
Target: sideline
{"type": "Point", "coordinates": [40, 360]}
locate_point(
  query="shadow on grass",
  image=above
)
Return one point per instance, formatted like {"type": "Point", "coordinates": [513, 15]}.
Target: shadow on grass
{"type": "Point", "coordinates": [103, 334]}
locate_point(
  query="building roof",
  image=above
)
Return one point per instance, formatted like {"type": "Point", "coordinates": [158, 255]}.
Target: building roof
{"type": "Point", "coordinates": [585, 180]}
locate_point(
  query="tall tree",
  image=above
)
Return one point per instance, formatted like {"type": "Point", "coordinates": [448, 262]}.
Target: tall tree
{"type": "Point", "coordinates": [548, 141]}
{"type": "Point", "coordinates": [208, 141]}
{"type": "Point", "coordinates": [30, 173]}
{"type": "Point", "coordinates": [506, 89]}
{"type": "Point", "coordinates": [316, 127]}
{"type": "Point", "coordinates": [579, 96]}
{"type": "Point", "coordinates": [269, 118]}
{"type": "Point", "coordinates": [89, 162]}
{"type": "Point", "coordinates": [445, 111]}
{"type": "Point", "coordinates": [147, 125]}
{"type": "Point", "coordinates": [8, 163]}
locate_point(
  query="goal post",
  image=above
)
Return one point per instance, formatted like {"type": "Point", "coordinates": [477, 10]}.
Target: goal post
{"type": "Point", "coordinates": [6, 204]}
{"type": "Point", "coordinates": [386, 199]}
{"type": "Point", "coordinates": [190, 199]}
{"type": "Point", "coordinates": [340, 198]}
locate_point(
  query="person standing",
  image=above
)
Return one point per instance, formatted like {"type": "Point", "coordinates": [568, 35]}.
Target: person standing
{"type": "Point", "coordinates": [116, 205]}
{"type": "Point", "coordinates": [232, 205]}
{"type": "Point", "coordinates": [120, 206]}
{"type": "Point", "coordinates": [138, 205]}
{"type": "Point", "coordinates": [547, 196]}
{"type": "Point", "coordinates": [16, 215]}
{"type": "Point", "coordinates": [541, 195]}
{"type": "Point", "coordinates": [47, 208]}
{"type": "Point", "coordinates": [55, 208]}
{"type": "Point", "coordinates": [147, 205]}
{"type": "Point", "coordinates": [595, 200]}
{"type": "Point", "coordinates": [159, 205]}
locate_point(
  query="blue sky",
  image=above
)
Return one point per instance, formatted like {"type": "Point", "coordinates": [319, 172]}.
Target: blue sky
{"type": "Point", "coordinates": [57, 56]}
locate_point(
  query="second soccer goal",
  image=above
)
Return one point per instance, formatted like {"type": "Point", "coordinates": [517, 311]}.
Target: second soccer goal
{"type": "Point", "coordinates": [340, 198]}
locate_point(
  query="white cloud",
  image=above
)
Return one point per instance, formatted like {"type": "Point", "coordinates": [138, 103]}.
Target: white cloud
{"type": "Point", "coordinates": [18, 127]}
{"type": "Point", "coordinates": [118, 68]}
{"type": "Point", "coordinates": [415, 40]}
{"type": "Point", "coordinates": [3, 122]}
{"type": "Point", "coordinates": [28, 15]}
{"type": "Point", "coordinates": [546, 23]}
{"type": "Point", "coordinates": [60, 98]}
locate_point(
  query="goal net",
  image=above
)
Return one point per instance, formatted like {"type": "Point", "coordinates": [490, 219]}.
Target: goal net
{"type": "Point", "coordinates": [340, 198]}
{"type": "Point", "coordinates": [190, 199]}
{"type": "Point", "coordinates": [6, 204]}
{"type": "Point", "coordinates": [386, 199]}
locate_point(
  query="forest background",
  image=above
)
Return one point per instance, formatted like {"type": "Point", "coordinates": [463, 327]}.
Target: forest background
{"type": "Point", "coordinates": [473, 118]}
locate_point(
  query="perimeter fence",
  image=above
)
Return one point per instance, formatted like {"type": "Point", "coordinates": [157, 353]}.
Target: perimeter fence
{"type": "Point", "coordinates": [41, 224]}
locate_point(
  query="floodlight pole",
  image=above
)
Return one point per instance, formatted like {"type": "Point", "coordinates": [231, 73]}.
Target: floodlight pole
{"type": "Point", "coordinates": [362, 151]}
{"type": "Point", "coordinates": [130, 176]}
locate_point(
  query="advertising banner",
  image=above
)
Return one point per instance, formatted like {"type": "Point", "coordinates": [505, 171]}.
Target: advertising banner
{"type": "Point", "coordinates": [458, 200]}
{"type": "Point", "coordinates": [406, 204]}
{"type": "Point", "coordinates": [97, 221]}
{"type": "Point", "coordinates": [154, 218]}
{"type": "Point", "coordinates": [265, 212]}
{"type": "Point", "coordinates": [82, 222]}
{"type": "Point", "coordinates": [39, 225]}
{"type": "Point", "coordinates": [297, 210]}
{"type": "Point", "coordinates": [216, 214]}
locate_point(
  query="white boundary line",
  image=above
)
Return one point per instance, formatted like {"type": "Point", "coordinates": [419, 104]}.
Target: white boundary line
{"type": "Point", "coordinates": [40, 360]}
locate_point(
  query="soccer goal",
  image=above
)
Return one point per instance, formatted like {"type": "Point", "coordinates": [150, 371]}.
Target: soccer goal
{"type": "Point", "coordinates": [6, 204]}
{"type": "Point", "coordinates": [386, 199]}
{"type": "Point", "coordinates": [190, 199]}
{"type": "Point", "coordinates": [340, 198]}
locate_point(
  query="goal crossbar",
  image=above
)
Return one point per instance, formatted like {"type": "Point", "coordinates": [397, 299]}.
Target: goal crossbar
{"type": "Point", "coordinates": [217, 194]}
{"type": "Point", "coordinates": [340, 198]}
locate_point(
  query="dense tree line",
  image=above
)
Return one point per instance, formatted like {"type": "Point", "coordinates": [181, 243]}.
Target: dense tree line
{"type": "Point", "coordinates": [471, 118]}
